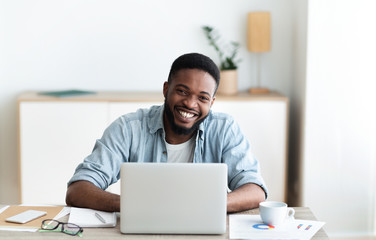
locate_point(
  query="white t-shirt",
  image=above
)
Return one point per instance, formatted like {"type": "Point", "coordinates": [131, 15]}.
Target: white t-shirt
{"type": "Point", "coordinates": [181, 153]}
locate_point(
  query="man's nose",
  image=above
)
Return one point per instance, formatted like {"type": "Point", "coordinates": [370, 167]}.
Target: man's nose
{"type": "Point", "coordinates": [190, 101]}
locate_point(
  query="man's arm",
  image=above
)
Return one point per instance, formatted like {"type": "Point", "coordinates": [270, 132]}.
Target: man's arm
{"type": "Point", "coordinates": [245, 197]}
{"type": "Point", "coordinates": [87, 195]}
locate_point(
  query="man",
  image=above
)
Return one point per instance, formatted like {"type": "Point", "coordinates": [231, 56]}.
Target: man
{"type": "Point", "coordinates": [182, 130]}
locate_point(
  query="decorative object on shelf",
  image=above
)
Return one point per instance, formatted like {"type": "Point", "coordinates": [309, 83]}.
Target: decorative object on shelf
{"type": "Point", "coordinates": [258, 36]}
{"type": "Point", "coordinates": [228, 61]}
{"type": "Point", "coordinates": [66, 93]}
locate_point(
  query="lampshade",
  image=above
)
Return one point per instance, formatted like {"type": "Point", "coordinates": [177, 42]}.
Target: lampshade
{"type": "Point", "coordinates": [258, 32]}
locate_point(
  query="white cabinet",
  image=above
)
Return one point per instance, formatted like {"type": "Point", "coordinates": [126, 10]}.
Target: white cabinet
{"type": "Point", "coordinates": [54, 138]}
{"type": "Point", "coordinates": [119, 108]}
{"type": "Point", "coordinates": [57, 134]}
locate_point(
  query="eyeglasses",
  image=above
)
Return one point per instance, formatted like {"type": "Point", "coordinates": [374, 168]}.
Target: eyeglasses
{"type": "Point", "coordinates": [68, 228]}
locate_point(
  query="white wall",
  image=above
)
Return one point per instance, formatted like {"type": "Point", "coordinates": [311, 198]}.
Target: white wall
{"type": "Point", "coordinates": [340, 114]}
{"type": "Point", "coordinates": [129, 45]}
{"type": "Point", "coordinates": [119, 45]}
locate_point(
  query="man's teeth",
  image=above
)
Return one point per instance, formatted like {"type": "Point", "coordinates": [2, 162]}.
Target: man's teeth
{"type": "Point", "coordinates": [186, 115]}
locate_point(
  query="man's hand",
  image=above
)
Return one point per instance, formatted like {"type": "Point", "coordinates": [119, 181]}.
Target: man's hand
{"type": "Point", "coordinates": [87, 195]}
{"type": "Point", "coordinates": [245, 197]}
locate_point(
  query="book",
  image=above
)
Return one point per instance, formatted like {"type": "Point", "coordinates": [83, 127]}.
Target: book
{"type": "Point", "coordinates": [66, 93]}
{"type": "Point", "coordinates": [85, 217]}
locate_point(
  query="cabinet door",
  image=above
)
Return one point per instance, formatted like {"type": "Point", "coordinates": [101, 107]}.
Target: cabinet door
{"type": "Point", "coordinates": [54, 138]}
{"type": "Point", "coordinates": [118, 109]}
{"type": "Point", "coordinates": [264, 123]}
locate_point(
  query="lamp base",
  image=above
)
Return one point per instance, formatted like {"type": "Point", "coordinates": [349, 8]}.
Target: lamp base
{"type": "Point", "coordinates": [258, 90]}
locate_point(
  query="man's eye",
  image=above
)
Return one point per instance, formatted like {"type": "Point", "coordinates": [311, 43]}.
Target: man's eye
{"type": "Point", "coordinates": [180, 91]}
{"type": "Point", "coordinates": [204, 99]}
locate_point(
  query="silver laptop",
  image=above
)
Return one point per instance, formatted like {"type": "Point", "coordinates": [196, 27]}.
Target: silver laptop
{"type": "Point", "coordinates": [173, 198]}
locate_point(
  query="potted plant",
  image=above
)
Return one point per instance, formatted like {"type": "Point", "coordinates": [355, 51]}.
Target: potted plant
{"type": "Point", "coordinates": [227, 54]}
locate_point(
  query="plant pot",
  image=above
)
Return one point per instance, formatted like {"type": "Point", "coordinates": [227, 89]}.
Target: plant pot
{"type": "Point", "coordinates": [228, 84]}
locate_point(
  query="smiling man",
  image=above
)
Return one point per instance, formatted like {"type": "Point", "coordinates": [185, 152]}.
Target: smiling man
{"type": "Point", "coordinates": [184, 129]}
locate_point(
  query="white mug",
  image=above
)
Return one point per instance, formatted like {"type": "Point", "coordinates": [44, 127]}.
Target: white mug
{"type": "Point", "coordinates": [275, 213]}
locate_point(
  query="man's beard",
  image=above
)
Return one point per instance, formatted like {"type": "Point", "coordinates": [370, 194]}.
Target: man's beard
{"type": "Point", "coordinates": [176, 128]}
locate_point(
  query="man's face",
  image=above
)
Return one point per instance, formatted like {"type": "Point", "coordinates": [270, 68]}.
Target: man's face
{"type": "Point", "coordinates": [188, 99]}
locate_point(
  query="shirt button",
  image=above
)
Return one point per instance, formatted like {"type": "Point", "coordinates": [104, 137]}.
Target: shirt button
{"type": "Point", "coordinates": [164, 152]}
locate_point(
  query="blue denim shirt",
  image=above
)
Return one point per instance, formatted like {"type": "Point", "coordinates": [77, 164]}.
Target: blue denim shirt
{"type": "Point", "coordinates": [139, 137]}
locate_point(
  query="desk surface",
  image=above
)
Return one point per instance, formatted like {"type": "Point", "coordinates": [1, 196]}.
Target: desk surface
{"type": "Point", "coordinates": [114, 233]}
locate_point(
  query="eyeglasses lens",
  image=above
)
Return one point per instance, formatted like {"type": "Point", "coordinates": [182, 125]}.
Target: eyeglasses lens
{"type": "Point", "coordinates": [49, 224]}
{"type": "Point", "coordinates": [71, 229]}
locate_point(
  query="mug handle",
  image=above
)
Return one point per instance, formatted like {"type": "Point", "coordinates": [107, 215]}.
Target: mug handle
{"type": "Point", "coordinates": [290, 212]}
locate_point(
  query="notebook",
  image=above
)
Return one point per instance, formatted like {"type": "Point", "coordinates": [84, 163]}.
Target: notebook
{"type": "Point", "coordinates": [85, 217]}
{"type": "Point", "coordinates": [173, 198]}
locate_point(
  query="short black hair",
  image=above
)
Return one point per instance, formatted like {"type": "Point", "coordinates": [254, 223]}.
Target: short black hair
{"type": "Point", "coordinates": [195, 61]}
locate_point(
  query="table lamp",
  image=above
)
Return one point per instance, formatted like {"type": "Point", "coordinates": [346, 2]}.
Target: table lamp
{"type": "Point", "coordinates": [258, 41]}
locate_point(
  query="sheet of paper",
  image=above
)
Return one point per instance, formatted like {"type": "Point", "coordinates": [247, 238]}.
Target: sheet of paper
{"type": "Point", "coordinates": [3, 209]}
{"type": "Point", "coordinates": [85, 217]}
{"type": "Point", "coordinates": [65, 211]}
{"type": "Point", "coordinates": [252, 227]}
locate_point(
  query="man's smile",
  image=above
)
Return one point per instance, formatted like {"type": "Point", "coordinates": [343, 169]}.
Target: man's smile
{"type": "Point", "coordinates": [185, 115]}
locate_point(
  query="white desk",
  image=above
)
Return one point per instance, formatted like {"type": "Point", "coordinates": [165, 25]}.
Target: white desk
{"type": "Point", "coordinates": [114, 233]}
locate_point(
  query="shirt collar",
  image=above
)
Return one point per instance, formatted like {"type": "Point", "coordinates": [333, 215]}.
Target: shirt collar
{"type": "Point", "coordinates": [156, 120]}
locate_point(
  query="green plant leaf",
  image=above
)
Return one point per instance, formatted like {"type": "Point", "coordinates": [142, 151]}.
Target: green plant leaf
{"type": "Point", "coordinates": [227, 52]}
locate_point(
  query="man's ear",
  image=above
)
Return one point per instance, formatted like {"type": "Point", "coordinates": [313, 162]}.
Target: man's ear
{"type": "Point", "coordinates": [211, 104]}
{"type": "Point", "coordinates": [165, 89]}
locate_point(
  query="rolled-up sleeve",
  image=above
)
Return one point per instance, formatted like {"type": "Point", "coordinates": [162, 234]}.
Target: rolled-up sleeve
{"type": "Point", "coordinates": [243, 167]}
{"type": "Point", "coordinates": [102, 166]}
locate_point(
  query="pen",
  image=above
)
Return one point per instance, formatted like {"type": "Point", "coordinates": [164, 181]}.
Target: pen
{"type": "Point", "coordinates": [100, 217]}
